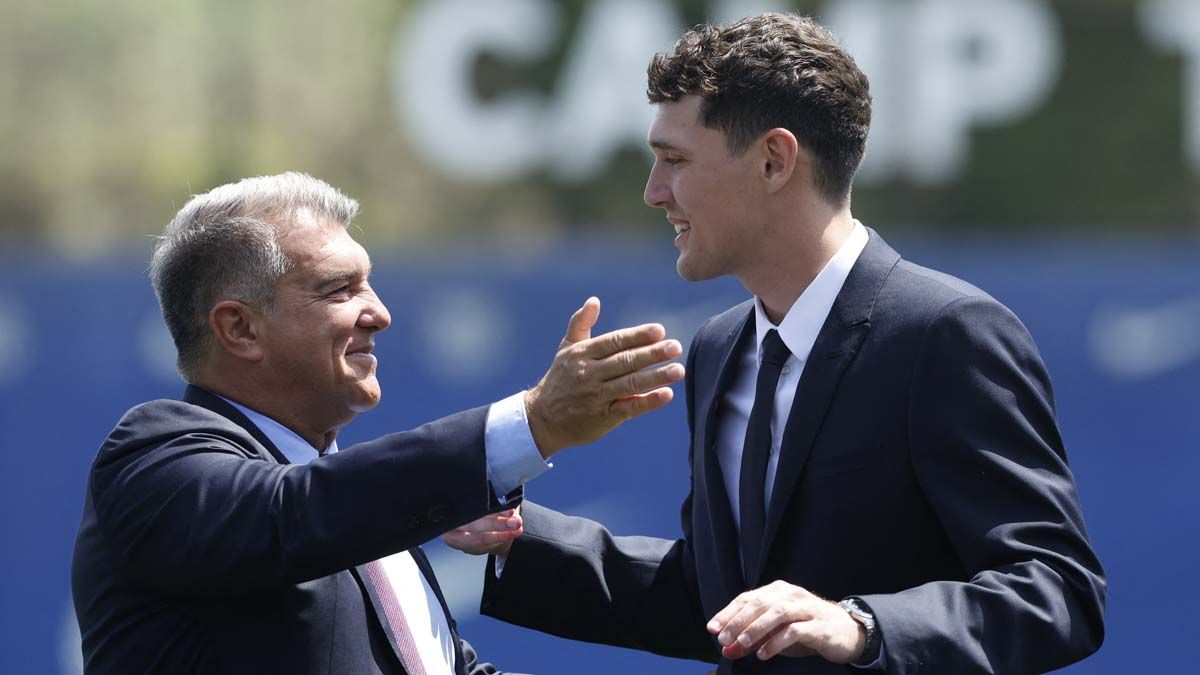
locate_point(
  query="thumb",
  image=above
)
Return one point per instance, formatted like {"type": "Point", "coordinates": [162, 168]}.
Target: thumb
{"type": "Point", "coordinates": [579, 328]}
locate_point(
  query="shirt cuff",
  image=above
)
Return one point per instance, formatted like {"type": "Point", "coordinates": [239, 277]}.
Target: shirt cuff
{"type": "Point", "coordinates": [512, 456]}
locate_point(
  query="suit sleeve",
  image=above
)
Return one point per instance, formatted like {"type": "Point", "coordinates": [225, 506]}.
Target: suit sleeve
{"type": "Point", "coordinates": [571, 577]}
{"type": "Point", "coordinates": [987, 453]}
{"type": "Point", "coordinates": [196, 513]}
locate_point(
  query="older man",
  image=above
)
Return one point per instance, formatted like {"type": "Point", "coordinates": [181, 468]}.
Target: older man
{"type": "Point", "coordinates": [226, 532]}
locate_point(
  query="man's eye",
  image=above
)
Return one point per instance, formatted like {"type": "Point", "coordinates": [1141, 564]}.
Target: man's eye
{"type": "Point", "coordinates": [340, 290]}
{"type": "Point", "coordinates": [673, 160]}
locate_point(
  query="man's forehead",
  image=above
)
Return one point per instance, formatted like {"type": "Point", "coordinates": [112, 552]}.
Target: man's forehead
{"type": "Point", "coordinates": [324, 249]}
{"type": "Point", "coordinates": [673, 120]}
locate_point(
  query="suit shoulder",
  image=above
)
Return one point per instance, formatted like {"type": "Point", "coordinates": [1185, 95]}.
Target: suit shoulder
{"type": "Point", "coordinates": [157, 422]}
{"type": "Point", "coordinates": [938, 308]}
{"type": "Point", "coordinates": [927, 294]}
{"type": "Point", "coordinates": [939, 286]}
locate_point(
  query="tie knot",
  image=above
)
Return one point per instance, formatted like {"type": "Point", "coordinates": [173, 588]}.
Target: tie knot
{"type": "Point", "coordinates": [773, 349]}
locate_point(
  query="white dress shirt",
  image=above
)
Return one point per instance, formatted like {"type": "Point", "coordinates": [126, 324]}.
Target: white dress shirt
{"type": "Point", "coordinates": [798, 330]}
{"type": "Point", "coordinates": [512, 458]}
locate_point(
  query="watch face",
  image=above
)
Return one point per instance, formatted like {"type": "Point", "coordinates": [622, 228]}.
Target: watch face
{"type": "Point", "coordinates": [859, 613]}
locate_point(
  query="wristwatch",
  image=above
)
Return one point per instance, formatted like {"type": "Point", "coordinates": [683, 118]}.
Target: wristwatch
{"type": "Point", "coordinates": [860, 612]}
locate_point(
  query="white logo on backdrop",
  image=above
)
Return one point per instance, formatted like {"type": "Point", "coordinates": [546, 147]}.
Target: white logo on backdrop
{"type": "Point", "coordinates": [15, 344]}
{"type": "Point", "coordinates": [466, 335]}
{"type": "Point", "coordinates": [1175, 25]}
{"type": "Point", "coordinates": [1147, 341]}
{"type": "Point", "coordinates": [938, 69]}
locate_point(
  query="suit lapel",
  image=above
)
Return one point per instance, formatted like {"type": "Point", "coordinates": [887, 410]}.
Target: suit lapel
{"type": "Point", "coordinates": [201, 397]}
{"type": "Point", "coordinates": [729, 337]}
{"type": "Point", "coordinates": [206, 399]}
{"type": "Point", "coordinates": [837, 343]}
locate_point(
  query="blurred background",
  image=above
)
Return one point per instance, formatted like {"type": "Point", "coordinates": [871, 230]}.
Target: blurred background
{"type": "Point", "coordinates": [1045, 150]}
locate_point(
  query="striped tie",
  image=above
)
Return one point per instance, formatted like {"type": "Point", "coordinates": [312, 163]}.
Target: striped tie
{"type": "Point", "coordinates": [377, 577]}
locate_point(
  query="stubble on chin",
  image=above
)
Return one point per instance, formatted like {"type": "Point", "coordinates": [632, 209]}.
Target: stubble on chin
{"type": "Point", "coordinates": [689, 270]}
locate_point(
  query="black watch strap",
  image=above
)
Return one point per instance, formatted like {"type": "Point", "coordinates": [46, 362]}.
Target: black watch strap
{"type": "Point", "coordinates": [861, 612]}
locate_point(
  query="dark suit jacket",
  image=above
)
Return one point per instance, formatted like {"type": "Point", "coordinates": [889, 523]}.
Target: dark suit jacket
{"type": "Point", "coordinates": [921, 470]}
{"type": "Point", "coordinates": [202, 550]}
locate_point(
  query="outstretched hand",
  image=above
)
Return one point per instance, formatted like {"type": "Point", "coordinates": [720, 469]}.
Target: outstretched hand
{"type": "Point", "coordinates": [596, 383]}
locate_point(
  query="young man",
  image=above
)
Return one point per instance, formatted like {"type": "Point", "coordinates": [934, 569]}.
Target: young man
{"type": "Point", "coordinates": [877, 473]}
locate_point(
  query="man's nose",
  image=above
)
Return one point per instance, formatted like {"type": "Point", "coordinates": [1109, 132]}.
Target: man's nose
{"type": "Point", "coordinates": [657, 193]}
{"type": "Point", "coordinates": [375, 316]}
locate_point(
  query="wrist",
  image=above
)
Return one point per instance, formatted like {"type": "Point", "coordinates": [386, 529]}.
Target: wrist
{"type": "Point", "coordinates": [539, 428]}
{"type": "Point", "coordinates": [860, 642]}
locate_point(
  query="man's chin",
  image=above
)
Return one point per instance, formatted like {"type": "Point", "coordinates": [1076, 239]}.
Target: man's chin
{"type": "Point", "coordinates": [367, 396]}
{"type": "Point", "coordinates": [689, 270]}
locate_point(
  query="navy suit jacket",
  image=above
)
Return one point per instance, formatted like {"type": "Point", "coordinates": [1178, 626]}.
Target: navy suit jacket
{"type": "Point", "coordinates": [921, 469]}
{"type": "Point", "coordinates": [201, 550]}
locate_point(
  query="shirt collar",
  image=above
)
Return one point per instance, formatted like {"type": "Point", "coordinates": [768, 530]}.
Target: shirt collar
{"type": "Point", "coordinates": [803, 321]}
{"type": "Point", "coordinates": [296, 449]}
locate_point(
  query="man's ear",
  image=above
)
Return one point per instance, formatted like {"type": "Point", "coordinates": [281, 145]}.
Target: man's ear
{"type": "Point", "coordinates": [235, 328]}
{"type": "Point", "coordinates": [781, 157]}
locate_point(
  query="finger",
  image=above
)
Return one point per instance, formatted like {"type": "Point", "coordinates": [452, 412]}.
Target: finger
{"type": "Point", "coordinates": [579, 328]}
{"type": "Point", "coordinates": [750, 607]}
{"type": "Point", "coordinates": [478, 543]}
{"type": "Point", "coordinates": [494, 522]}
{"type": "Point", "coordinates": [640, 404]}
{"type": "Point", "coordinates": [793, 637]}
{"type": "Point", "coordinates": [717, 623]}
{"type": "Point", "coordinates": [633, 360]}
{"type": "Point", "coordinates": [606, 345]}
{"type": "Point", "coordinates": [643, 380]}
{"type": "Point", "coordinates": [731, 646]}
{"type": "Point", "coordinates": [771, 620]}
{"type": "Point", "coordinates": [497, 522]}
{"type": "Point", "coordinates": [481, 539]}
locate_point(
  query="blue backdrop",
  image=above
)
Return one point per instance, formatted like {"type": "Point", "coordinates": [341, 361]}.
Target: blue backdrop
{"type": "Point", "coordinates": [1119, 328]}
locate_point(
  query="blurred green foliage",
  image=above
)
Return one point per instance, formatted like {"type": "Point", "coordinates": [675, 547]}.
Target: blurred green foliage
{"type": "Point", "coordinates": [112, 113]}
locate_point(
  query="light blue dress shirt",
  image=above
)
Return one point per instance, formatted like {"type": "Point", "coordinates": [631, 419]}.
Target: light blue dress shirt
{"type": "Point", "coordinates": [512, 458]}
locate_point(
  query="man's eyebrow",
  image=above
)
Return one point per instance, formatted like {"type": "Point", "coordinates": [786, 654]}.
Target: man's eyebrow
{"type": "Point", "coordinates": [659, 144]}
{"type": "Point", "coordinates": [338, 277]}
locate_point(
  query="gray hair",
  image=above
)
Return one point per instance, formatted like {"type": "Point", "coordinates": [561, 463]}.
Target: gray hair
{"type": "Point", "coordinates": [224, 245]}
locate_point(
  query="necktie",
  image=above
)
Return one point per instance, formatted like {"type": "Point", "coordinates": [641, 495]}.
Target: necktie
{"type": "Point", "coordinates": [756, 451]}
{"type": "Point", "coordinates": [395, 616]}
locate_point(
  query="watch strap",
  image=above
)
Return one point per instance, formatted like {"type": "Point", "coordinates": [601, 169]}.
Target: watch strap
{"type": "Point", "coordinates": [861, 612]}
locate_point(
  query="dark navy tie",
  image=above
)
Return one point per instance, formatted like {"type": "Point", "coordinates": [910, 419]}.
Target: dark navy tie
{"type": "Point", "coordinates": [756, 451]}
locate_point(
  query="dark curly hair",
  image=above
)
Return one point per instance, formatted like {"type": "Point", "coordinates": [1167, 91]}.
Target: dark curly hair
{"type": "Point", "coordinates": [768, 71]}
